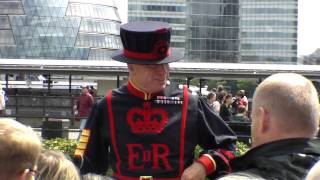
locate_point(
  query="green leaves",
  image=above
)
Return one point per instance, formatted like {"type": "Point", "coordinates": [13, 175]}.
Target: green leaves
{"type": "Point", "coordinates": [68, 146]}
{"type": "Point", "coordinates": [242, 148]}
{"type": "Point", "coordinates": [60, 144]}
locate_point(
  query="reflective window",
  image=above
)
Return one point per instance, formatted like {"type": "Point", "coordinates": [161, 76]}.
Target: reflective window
{"type": "Point", "coordinates": [100, 26]}
{"type": "Point", "coordinates": [178, 32]}
{"type": "Point", "coordinates": [6, 37]}
{"type": "Point", "coordinates": [268, 47]}
{"type": "Point", "coordinates": [270, 58]}
{"type": "Point", "coordinates": [45, 31]}
{"type": "Point", "coordinates": [92, 11]}
{"type": "Point", "coordinates": [46, 11]}
{"type": "Point", "coordinates": [219, 21]}
{"type": "Point", "coordinates": [98, 40]}
{"type": "Point", "coordinates": [4, 22]}
{"type": "Point", "coordinates": [157, 8]}
{"type": "Point", "coordinates": [269, 11]}
{"type": "Point", "coordinates": [269, 30]}
{"type": "Point", "coordinates": [45, 21]}
{"type": "Point", "coordinates": [215, 32]}
{"type": "Point", "coordinates": [100, 54]}
{"type": "Point", "coordinates": [218, 1]}
{"type": "Point", "coordinates": [177, 44]}
{"type": "Point", "coordinates": [165, 19]}
{"type": "Point", "coordinates": [269, 23]}
{"type": "Point", "coordinates": [45, 3]}
{"type": "Point", "coordinates": [214, 9]}
{"type": "Point", "coordinates": [56, 8]}
{"type": "Point", "coordinates": [44, 52]}
{"type": "Point", "coordinates": [99, 2]}
{"type": "Point", "coordinates": [11, 7]}
{"type": "Point", "coordinates": [268, 35]}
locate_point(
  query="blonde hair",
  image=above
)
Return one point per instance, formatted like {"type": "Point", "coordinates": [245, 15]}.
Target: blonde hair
{"type": "Point", "coordinates": [19, 148]}
{"type": "Point", "coordinates": [54, 165]}
{"type": "Point", "coordinates": [292, 99]}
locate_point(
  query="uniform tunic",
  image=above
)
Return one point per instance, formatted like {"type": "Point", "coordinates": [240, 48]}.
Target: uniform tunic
{"type": "Point", "coordinates": [140, 134]}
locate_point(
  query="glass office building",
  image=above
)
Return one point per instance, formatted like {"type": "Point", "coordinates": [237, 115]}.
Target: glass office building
{"type": "Point", "coordinates": [206, 30]}
{"type": "Point", "coordinates": [171, 11]}
{"type": "Point", "coordinates": [248, 31]}
{"type": "Point", "coordinates": [269, 31]}
{"type": "Point", "coordinates": [213, 31]}
{"type": "Point", "coordinates": [59, 29]}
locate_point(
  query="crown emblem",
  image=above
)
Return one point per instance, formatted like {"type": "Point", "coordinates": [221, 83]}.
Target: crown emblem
{"type": "Point", "coordinates": [147, 120]}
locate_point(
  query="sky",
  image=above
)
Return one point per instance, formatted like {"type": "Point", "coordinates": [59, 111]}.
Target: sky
{"type": "Point", "coordinates": [308, 24]}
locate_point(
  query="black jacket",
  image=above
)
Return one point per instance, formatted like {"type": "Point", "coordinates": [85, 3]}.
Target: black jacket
{"type": "Point", "coordinates": [288, 159]}
{"type": "Point", "coordinates": [225, 113]}
{"type": "Point", "coordinates": [138, 135]}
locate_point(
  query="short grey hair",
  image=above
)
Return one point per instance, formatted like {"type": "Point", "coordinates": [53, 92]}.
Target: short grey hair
{"type": "Point", "coordinates": [291, 98]}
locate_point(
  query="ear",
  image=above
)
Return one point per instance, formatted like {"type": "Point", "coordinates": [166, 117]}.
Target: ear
{"type": "Point", "coordinates": [130, 67]}
{"type": "Point", "coordinates": [264, 120]}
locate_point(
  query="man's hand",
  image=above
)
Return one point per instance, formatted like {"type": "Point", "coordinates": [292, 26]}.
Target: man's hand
{"type": "Point", "coordinates": [195, 171]}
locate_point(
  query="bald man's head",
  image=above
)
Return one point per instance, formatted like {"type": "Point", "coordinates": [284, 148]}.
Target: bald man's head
{"type": "Point", "coordinates": [291, 100]}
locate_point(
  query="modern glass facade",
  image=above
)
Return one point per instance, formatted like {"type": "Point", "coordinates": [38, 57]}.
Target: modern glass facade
{"type": "Point", "coordinates": [171, 11]}
{"type": "Point", "coordinates": [269, 31]}
{"type": "Point", "coordinates": [249, 31]}
{"type": "Point", "coordinates": [213, 34]}
{"type": "Point", "coordinates": [59, 29]}
{"type": "Point", "coordinates": [207, 30]}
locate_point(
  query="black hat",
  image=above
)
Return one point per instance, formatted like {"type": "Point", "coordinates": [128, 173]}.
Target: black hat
{"type": "Point", "coordinates": [146, 42]}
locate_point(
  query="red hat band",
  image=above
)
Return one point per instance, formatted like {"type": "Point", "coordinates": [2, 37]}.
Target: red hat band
{"type": "Point", "coordinates": [160, 51]}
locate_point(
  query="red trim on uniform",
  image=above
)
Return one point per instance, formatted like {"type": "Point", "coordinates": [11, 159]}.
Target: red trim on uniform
{"type": "Point", "coordinates": [112, 129]}
{"type": "Point", "coordinates": [132, 89]}
{"type": "Point", "coordinates": [139, 93]}
{"type": "Point", "coordinates": [227, 153]}
{"type": "Point", "coordinates": [121, 177]}
{"type": "Point", "coordinates": [207, 163]}
{"type": "Point", "coordinates": [222, 156]}
{"type": "Point", "coordinates": [183, 127]}
{"type": "Point", "coordinates": [144, 56]}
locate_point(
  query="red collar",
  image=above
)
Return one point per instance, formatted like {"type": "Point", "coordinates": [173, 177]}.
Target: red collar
{"type": "Point", "coordinates": [133, 89]}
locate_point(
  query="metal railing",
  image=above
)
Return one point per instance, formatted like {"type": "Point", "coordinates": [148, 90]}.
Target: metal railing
{"type": "Point", "coordinates": [35, 110]}
{"type": "Point", "coordinates": [40, 107]}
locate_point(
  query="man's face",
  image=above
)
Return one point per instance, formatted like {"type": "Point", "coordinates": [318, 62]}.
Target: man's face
{"type": "Point", "coordinates": [84, 90]}
{"type": "Point", "coordinates": [149, 78]}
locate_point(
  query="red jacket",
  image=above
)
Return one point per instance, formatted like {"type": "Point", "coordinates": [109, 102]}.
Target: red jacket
{"type": "Point", "coordinates": [84, 104]}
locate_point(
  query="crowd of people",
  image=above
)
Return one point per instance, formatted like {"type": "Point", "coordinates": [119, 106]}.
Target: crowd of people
{"type": "Point", "coordinates": [228, 107]}
{"type": "Point", "coordinates": [148, 129]}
